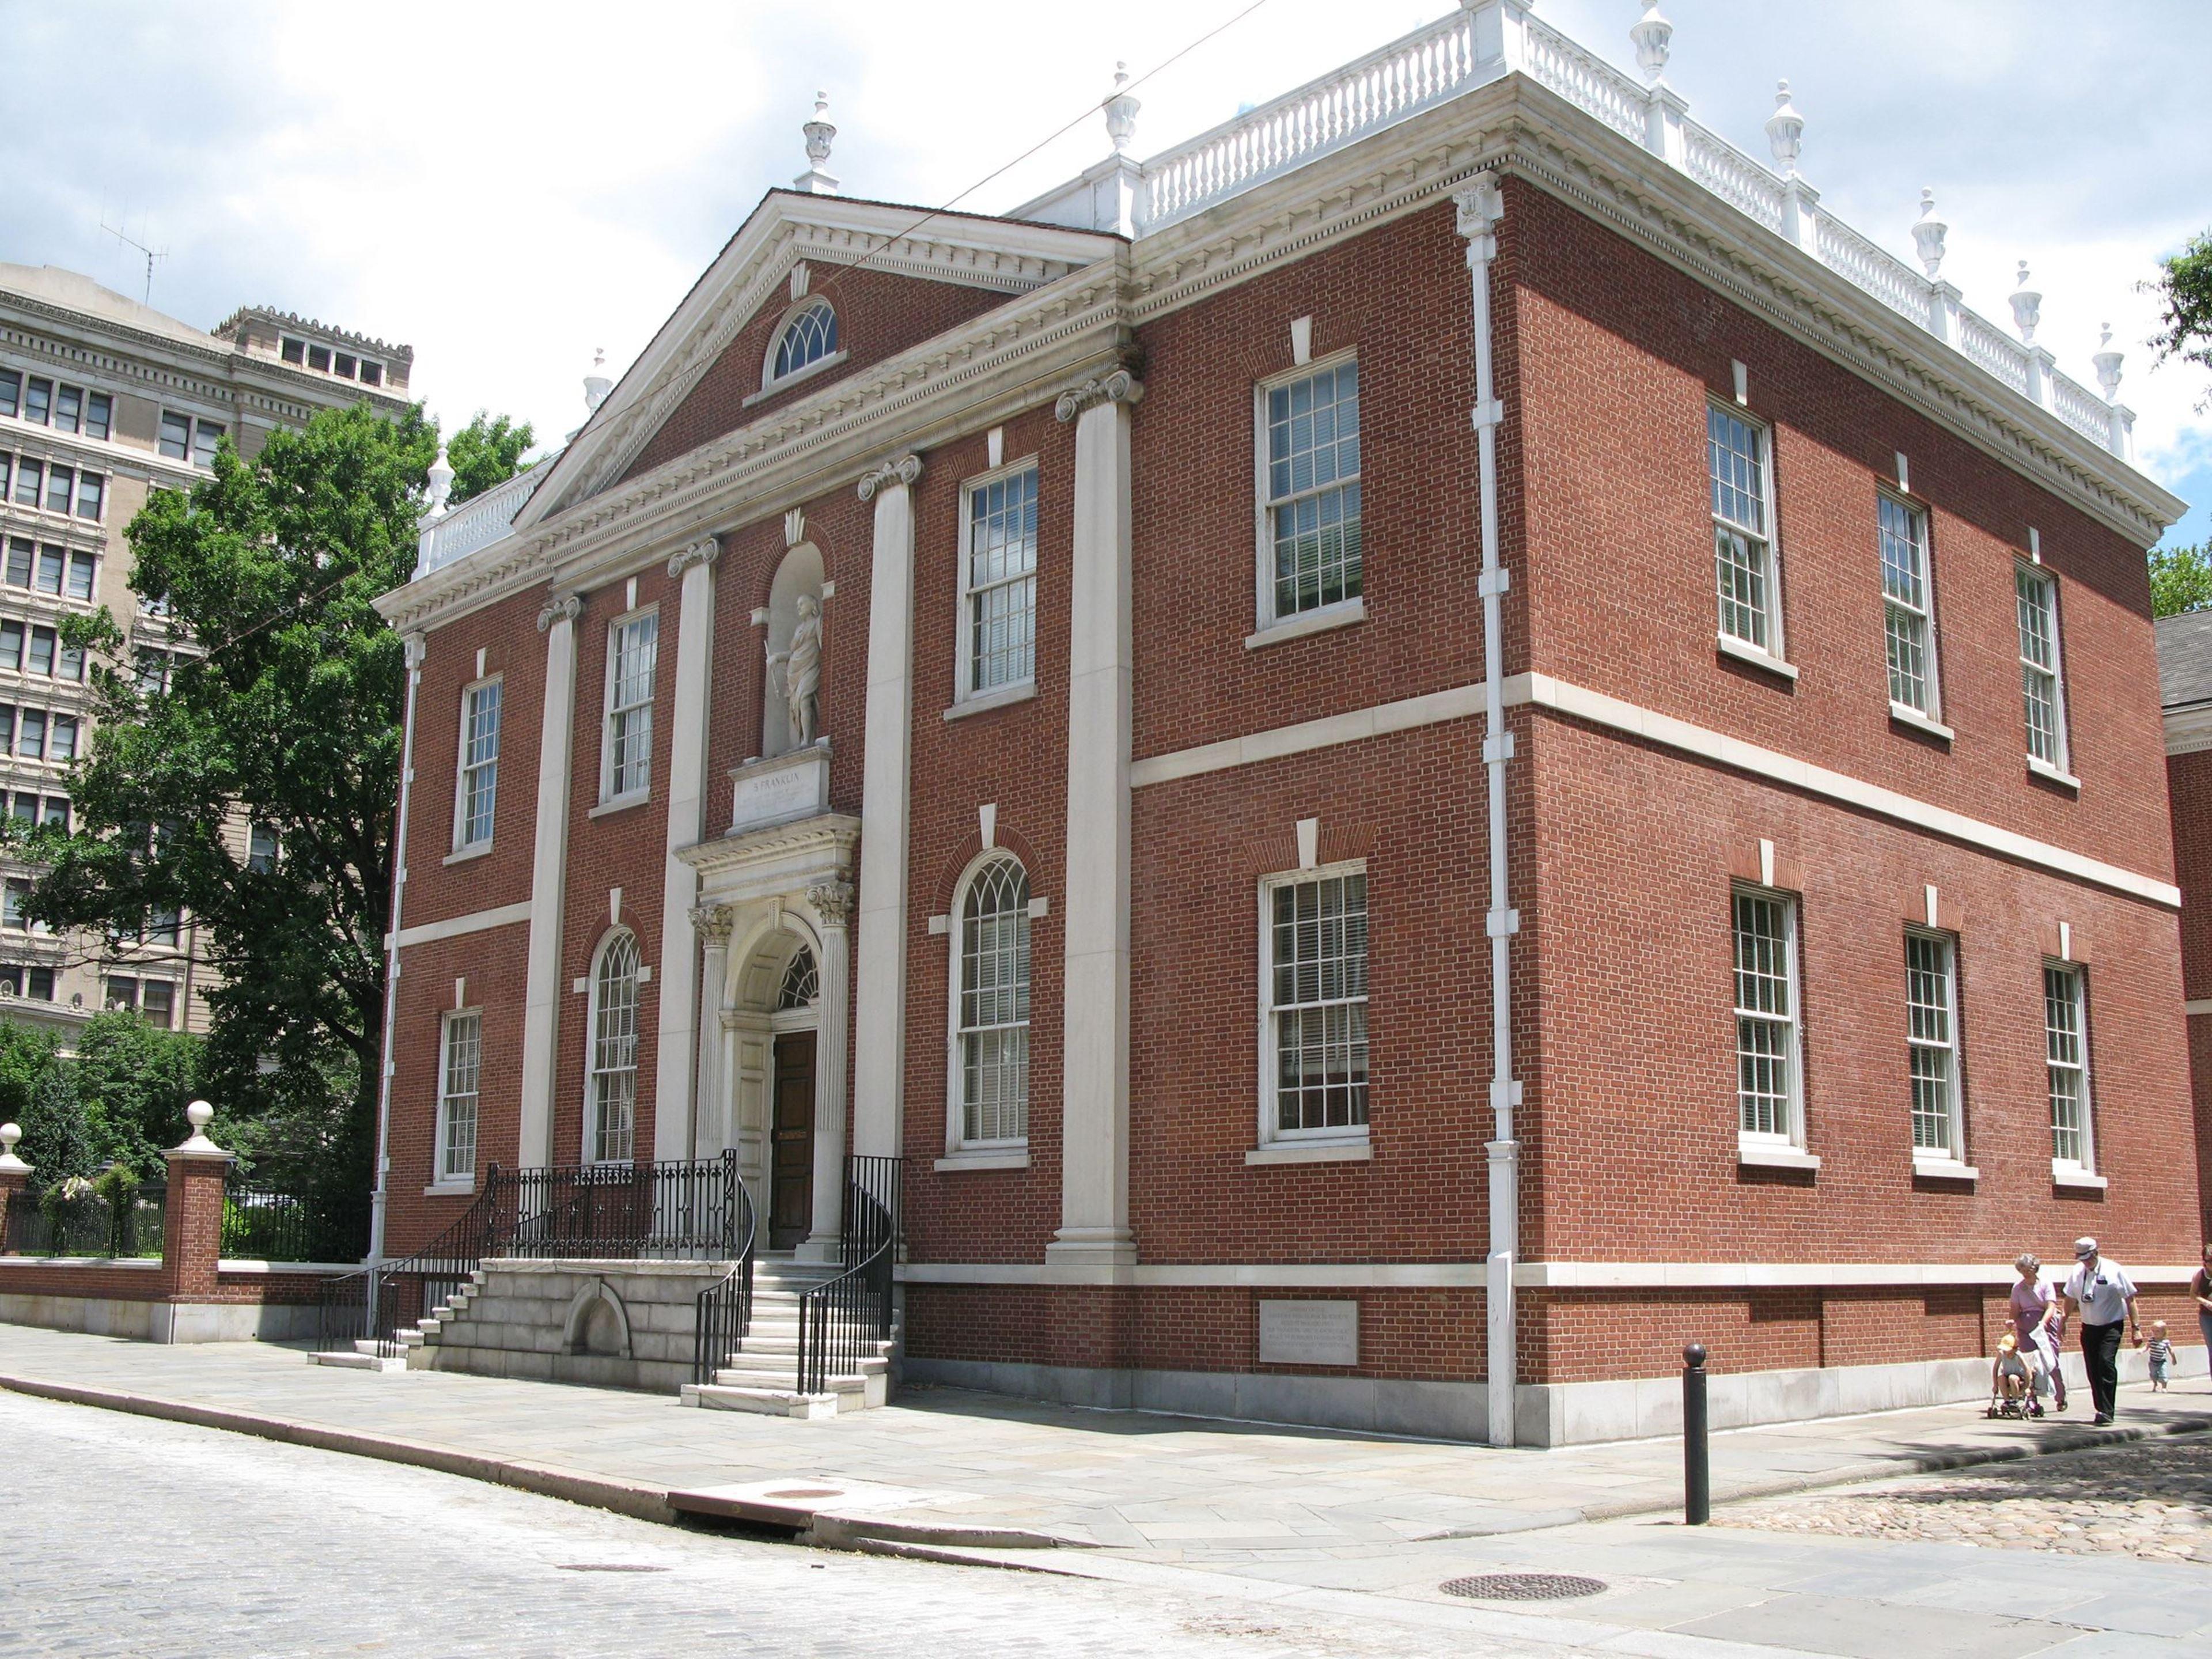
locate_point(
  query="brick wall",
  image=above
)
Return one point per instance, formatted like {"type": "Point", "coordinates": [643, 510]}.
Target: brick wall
{"type": "Point", "coordinates": [2189, 778]}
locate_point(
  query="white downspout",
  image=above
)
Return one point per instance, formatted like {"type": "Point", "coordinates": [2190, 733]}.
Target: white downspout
{"type": "Point", "coordinates": [415, 646]}
{"type": "Point", "coordinates": [1482, 204]}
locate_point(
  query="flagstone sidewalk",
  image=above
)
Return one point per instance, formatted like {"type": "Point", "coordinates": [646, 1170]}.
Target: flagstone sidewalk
{"type": "Point", "coordinates": [948, 1463]}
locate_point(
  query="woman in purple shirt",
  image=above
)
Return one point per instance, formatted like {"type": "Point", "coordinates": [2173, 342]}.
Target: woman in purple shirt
{"type": "Point", "coordinates": [2034, 1313]}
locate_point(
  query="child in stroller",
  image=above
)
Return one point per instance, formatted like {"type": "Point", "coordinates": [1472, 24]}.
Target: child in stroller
{"type": "Point", "coordinates": [2012, 1391]}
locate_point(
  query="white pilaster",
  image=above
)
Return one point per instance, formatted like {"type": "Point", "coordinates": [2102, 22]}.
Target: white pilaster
{"type": "Point", "coordinates": [548, 869]}
{"type": "Point", "coordinates": [711, 1130]}
{"type": "Point", "coordinates": [880, 1058]}
{"type": "Point", "coordinates": [1094, 1179]}
{"type": "Point", "coordinates": [675, 1128]}
{"type": "Point", "coordinates": [832, 903]}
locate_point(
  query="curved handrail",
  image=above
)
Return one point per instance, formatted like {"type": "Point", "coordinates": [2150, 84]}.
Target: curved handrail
{"type": "Point", "coordinates": [366, 1301]}
{"type": "Point", "coordinates": [723, 1313]}
{"type": "Point", "coordinates": [837, 1317]}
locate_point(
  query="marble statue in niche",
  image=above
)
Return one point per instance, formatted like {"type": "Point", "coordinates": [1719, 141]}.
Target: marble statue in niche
{"type": "Point", "coordinates": [792, 689]}
{"type": "Point", "coordinates": [800, 666]}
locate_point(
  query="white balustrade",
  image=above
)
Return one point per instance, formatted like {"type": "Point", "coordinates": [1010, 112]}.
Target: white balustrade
{"type": "Point", "coordinates": [1889, 279]}
{"type": "Point", "coordinates": [1730, 175]}
{"type": "Point", "coordinates": [477, 522]}
{"type": "Point", "coordinates": [1993, 349]}
{"type": "Point", "coordinates": [1586, 81]}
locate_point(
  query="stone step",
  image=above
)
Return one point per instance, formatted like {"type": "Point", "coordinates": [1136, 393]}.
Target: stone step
{"type": "Point", "coordinates": [766, 1401]}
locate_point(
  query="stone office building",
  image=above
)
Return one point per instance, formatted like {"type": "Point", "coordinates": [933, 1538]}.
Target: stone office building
{"type": "Point", "coordinates": [1406, 754]}
{"type": "Point", "coordinates": [103, 399]}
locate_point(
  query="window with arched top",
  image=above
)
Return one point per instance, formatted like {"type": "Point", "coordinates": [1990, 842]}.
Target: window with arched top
{"type": "Point", "coordinates": [802, 982]}
{"type": "Point", "coordinates": [611, 1099]}
{"type": "Point", "coordinates": [809, 336]}
{"type": "Point", "coordinates": [991, 1006]}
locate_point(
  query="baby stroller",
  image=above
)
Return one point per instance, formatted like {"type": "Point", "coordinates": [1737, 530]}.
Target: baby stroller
{"type": "Point", "coordinates": [2012, 1390]}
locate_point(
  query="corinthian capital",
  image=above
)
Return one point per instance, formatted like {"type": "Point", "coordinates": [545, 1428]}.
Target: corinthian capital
{"type": "Point", "coordinates": [902, 470]}
{"type": "Point", "coordinates": [565, 608]}
{"type": "Point", "coordinates": [1119, 387]}
{"type": "Point", "coordinates": [1482, 204]}
{"type": "Point", "coordinates": [711, 922]}
{"type": "Point", "coordinates": [705, 550]}
{"type": "Point", "coordinates": [833, 903]}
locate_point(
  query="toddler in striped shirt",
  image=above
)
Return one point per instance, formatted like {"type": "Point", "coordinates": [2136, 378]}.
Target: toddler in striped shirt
{"type": "Point", "coordinates": [2161, 1355]}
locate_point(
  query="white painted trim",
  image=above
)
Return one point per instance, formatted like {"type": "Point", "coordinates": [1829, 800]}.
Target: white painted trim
{"type": "Point", "coordinates": [960, 1153]}
{"type": "Point", "coordinates": [464, 849]}
{"type": "Point", "coordinates": [2067, 1174]}
{"type": "Point", "coordinates": [1470, 1275]}
{"type": "Point", "coordinates": [609, 801]}
{"type": "Point", "coordinates": [1906, 714]}
{"type": "Point", "coordinates": [2059, 776]}
{"type": "Point", "coordinates": [1314, 1151]}
{"type": "Point", "coordinates": [1729, 646]}
{"type": "Point", "coordinates": [998, 696]}
{"type": "Point", "coordinates": [2189, 729]}
{"type": "Point", "coordinates": [451, 1188]}
{"type": "Point", "coordinates": [548, 879]}
{"type": "Point", "coordinates": [440, 1181]}
{"type": "Point", "coordinates": [1775, 654]}
{"type": "Point", "coordinates": [2196, 1006]}
{"type": "Point", "coordinates": [1318, 1145]}
{"type": "Point", "coordinates": [1264, 619]}
{"type": "Point", "coordinates": [965, 697]}
{"type": "Point", "coordinates": [1342, 614]}
{"type": "Point", "coordinates": [797, 376]}
{"type": "Point", "coordinates": [1766, 1155]}
{"type": "Point", "coordinates": [476, 851]}
{"type": "Point", "coordinates": [620, 803]}
{"type": "Point", "coordinates": [454, 927]}
{"type": "Point", "coordinates": [1944, 1169]}
{"type": "Point", "coordinates": [981, 1160]}
{"type": "Point", "coordinates": [1405, 715]}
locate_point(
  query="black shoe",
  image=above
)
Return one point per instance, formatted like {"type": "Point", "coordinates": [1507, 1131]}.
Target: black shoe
{"type": "Point", "coordinates": [2103, 1419]}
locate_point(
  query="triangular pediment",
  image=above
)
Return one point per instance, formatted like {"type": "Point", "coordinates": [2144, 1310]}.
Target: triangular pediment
{"type": "Point", "coordinates": [901, 275]}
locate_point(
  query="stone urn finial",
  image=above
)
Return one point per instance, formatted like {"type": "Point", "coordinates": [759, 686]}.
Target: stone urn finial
{"type": "Point", "coordinates": [199, 1115]}
{"type": "Point", "coordinates": [1121, 112]}
{"type": "Point", "coordinates": [1652, 35]}
{"type": "Point", "coordinates": [10, 1135]}
{"type": "Point", "coordinates": [1927, 234]}
{"type": "Point", "coordinates": [1786, 131]}
{"type": "Point", "coordinates": [2108, 362]}
{"type": "Point", "coordinates": [442, 482]}
{"type": "Point", "coordinates": [598, 383]}
{"type": "Point", "coordinates": [817, 132]}
{"type": "Point", "coordinates": [2027, 307]}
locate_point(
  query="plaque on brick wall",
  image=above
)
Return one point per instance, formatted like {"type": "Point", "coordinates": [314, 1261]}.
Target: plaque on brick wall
{"type": "Point", "coordinates": [1309, 1333]}
{"type": "Point", "coordinates": [793, 786]}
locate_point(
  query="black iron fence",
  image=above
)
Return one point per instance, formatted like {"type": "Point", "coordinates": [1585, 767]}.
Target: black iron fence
{"type": "Point", "coordinates": [724, 1311]}
{"type": "Point", "coordinates": [262, 1222]}
{"type": "Point", "coordinates": [86, 1223]}
{"type": "Point", "coordinates": [841, 1321]}
{"type": "Point", "coordinates": [607, 1211]}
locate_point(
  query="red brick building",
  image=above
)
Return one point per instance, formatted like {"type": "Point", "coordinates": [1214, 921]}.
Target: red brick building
{"type": "Point", "coordinates": [2184, 667]}
{"type": "Point", "coordinates": [1408, 755]}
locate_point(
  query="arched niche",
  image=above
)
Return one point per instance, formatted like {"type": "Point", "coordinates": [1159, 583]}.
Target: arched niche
{"type": "Point", "coordinates": [801, 573]}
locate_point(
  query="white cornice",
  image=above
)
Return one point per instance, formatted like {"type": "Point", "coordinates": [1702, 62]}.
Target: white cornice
{"type": "Point", "coordinates": [2189, 728]}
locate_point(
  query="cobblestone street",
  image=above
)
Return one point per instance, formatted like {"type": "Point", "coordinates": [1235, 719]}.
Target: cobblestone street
{"type": "Point", "coordinates": [2153, 1501]}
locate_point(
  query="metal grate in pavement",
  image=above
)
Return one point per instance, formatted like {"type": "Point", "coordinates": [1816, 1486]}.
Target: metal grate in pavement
{"type": "Point", "coordinates": [1523, 1587]}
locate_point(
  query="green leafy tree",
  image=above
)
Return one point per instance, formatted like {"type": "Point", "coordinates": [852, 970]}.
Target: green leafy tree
{"type": "Point", "coordinates": [57, 1141]}
{"type": "Point", "coordinates": [486, 451]}
{"type": "Point", "coordinates": [135, 1081]}
{"type": "Point", "coordinates": [2184, 287]}
{"type": "Point", "coordinates": [2180, 579]}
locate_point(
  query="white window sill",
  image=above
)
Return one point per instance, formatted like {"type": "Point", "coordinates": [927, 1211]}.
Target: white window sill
{"type": "Point", "coordinates": [1906, 714]}
{"type": "Point", "coordinates": [1342, 614]}
{"type": "Point", "coordinates": [477, 850]}
{"type": "Point", "coordinates": [621, 803]}
{"type": "Point", "coordinates": [2044, 769]}
{"type": "Point", "coordinates": [1313, 1152]}
{"type": "Point", "coordinates": [1944, 1169]}
{"type": "Point", "coordinates": [998, 696]}
{"type": "Point", "coordinates": [2071, 1175]}
{"type": "Point", "coordinates": [1760, 1156]}
{"type": "Point", "coordinates": [797, 377]}
{"type": "Point", "coordinates": [1012, 1158]}
{"type": "Point", "coordinates": [451, 1188]}
{"type": "Point", "coordinates": [1730, 646]}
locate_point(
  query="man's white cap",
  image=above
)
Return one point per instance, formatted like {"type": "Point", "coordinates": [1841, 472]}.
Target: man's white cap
{"type": "Point", "coordinates": [2084, 1248]}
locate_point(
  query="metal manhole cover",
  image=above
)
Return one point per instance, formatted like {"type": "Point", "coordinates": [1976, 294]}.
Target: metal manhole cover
{"type": "Point", "coordinates": [1523, 1587]}
{"type": "Point", "coordinates": [608, 1567]}
{"type": "Point", "coordinates": [807, 1491]}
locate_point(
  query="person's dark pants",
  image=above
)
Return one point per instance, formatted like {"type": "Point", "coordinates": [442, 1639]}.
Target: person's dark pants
{"type": "Point", "coordinates": [2100, 1353]}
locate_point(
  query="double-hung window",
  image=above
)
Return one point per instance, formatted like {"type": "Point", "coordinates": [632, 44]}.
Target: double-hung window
{"type": "Point", "coordinates": [479, 790]}
{"type": "Point", "coordinates": [1311, 551]}
{"type": "Point", "coordinates": [1769, 1096]}
{"type": "Point", "coordinates": [2042, 685]}
{"type": "Point", "coordinates": [458, 1069]}
{"type": "Point", "coordinates": [991, 1036]}
{"type": "Point", "coordinates": [1931, 1005]}
{"type": "Point", "coordinates": [632, 649]}
{"type": "Point", "coordinates": [1313, 994]}
{"type": "Point", "coordinates": [1736, 457]}
{"type": "Point", "coordinates": [2066, 1046]}
{"type": "Point", "coordinates": [998, 582]}
{"type": "Point", "coordinates": [610, 1125]}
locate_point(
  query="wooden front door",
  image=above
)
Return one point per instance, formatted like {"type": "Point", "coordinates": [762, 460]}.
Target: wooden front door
{"type": "Point", "coordinates": [790, 1142]}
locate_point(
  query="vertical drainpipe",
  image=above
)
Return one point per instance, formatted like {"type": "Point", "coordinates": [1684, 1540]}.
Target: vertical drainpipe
{"type": "Point", "coordinates": [414, 645]}
{"type": "Point", "coordinates": [1482, 204]}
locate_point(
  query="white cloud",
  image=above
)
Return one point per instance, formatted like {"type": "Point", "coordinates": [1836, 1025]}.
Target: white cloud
{"type": "Point", "coordinates": [508, 184]}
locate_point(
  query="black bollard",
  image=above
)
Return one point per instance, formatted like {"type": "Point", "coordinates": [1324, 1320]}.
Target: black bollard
{"type": "Point", "coordinates": [1697, 1471]}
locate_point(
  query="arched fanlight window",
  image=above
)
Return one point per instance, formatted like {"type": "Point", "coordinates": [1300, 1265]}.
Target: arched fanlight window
{"type": "Point", "coordinates": [608, 1137]}
{"type": "Point", "coordinates": [802, 982]}
{"type": "Point", "coordinates": [993, 1016]}
{"type": "Point", "coordinates": [809, 335]}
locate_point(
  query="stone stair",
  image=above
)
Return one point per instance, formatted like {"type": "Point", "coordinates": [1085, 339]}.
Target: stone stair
{"type": "Point", "coordinates": [763, 1375]}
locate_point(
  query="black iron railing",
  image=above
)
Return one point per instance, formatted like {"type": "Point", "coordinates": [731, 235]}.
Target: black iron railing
{"type": "Point", "coordinates": [602, 1212]}
{"type": "Point", "coordinates": [840, 1321]}
{"type": "Point", "coordinates": [265, 1223]}
{"type": "Point", "coordinates": [724, 1311]}
{"type": "Point", "coordinates": [86, 1224]}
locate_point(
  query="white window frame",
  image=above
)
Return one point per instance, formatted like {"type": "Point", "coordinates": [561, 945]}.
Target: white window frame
{"type": "Point", "coordinates": [1271, 1133]}
{"type": "Point", "coordinates": [443, 1174]}
{"type": "Point", "coordinates": [957, 1142]}
{"type": "Point", "coordinates": [589, 1146]}
{"type": "Point", "coordinates": [1268, 620]}
{"type": "Point", "coordinates": [464, 843]}
{"type": "Point", "coordinates": [963, 682]}
{"type": "Point", "coordinates": [1953, 1151]}
{"type": "Point", "coordinates": [1776, 648]}
{"type": "Point", "coordinates": [772, 382]}
{"type": "Point", "coordinates": [1917, 517]}
{"type": "Point", "coordinates": [2059, 765]}
{"type": "Point", "coordinates": [1791, 1138]}
{"type": "Point", "coordinates": [2078, 979]}
{"type": "Point", "coordinates": [609, 796]}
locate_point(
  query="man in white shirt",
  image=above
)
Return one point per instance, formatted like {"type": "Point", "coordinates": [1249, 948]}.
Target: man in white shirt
{"type": "Point", "coordinates": [2104, 1296]}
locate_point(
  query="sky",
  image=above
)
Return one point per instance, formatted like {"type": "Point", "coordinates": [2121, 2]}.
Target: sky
{"type": "Point", "coordinates": [509, 185]}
